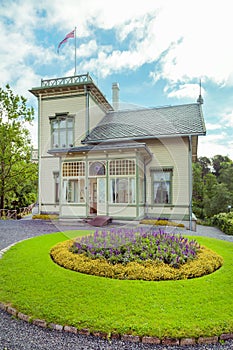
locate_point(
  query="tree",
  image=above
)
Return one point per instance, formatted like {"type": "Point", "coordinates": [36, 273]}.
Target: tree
{"type": "Point", "coordinates": [218, 163]}
{"type": "Point", "coordinates": [219, 201]}
{"type": "Point", "coordinates": [198, 191]}
{"type": "Point", "coordinates": [226, 175]}
{"type": "Point", "coordinates": [15, 143]}
{"type": "Point", "coordinates": [205, 164]}
{"type": "Point", "coordinates": [25, 192]}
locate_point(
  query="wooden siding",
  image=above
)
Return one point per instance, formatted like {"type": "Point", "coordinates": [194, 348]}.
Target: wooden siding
{"type": "Point", "coordinates": [170, 152]}
{"type": "Point", "coordinates": [47, 188]}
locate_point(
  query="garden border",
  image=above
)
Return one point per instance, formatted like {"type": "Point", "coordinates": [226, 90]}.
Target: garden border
{"type": "Point", "coordinates": [109, 336]}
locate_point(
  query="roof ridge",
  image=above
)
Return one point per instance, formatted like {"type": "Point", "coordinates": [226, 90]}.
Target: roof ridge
{"type": "Point", "coordinates": [152, 108]}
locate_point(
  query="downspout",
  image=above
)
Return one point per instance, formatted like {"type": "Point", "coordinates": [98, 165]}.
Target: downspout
{"type": "Point", "coordinates": [39, 154]}
{"type": "Point", "coordinates": [87, 119]}
{"type": "Point", "coordinates": [190, 183]}
{"type": "Point", "coordinates": [87, 130]}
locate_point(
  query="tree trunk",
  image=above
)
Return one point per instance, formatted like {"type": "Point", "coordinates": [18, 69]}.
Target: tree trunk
{"type": "Point", "coordinates": [2, 201]}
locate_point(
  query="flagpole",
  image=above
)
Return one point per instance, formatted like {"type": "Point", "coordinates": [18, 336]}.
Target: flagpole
{"type": "Point", "coordinates": [75, 55]}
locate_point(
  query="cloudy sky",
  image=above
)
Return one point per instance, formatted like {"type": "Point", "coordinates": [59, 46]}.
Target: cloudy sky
{"type": "Point", "coordinates": [157, 50]}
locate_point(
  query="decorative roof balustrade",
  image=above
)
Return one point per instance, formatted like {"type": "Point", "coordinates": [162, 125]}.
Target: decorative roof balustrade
{"type": "Point", "coordinates": [77, 79]}
{"type": "Point", "coordinates": [67, 85]}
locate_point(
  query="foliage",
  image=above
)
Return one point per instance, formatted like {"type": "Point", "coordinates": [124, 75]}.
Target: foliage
{"type": "Point", "coordinates": [198, 191]}
{"type": "Point", "coordinates": [34, 285]}
{"type": "Point", "coordinates": [224, 221]}
{"type": "Point", "coordinates": [218, 162]}
{"type": "Point", "coordinates": [212, 186]}
{"type": "Point", "coordinates": [25, 191]}
{"type": "Point", "coordinates": [149, 270]}
{"type": "Point", "coordinates": [45, 216]}
{"type": "Point", "coordinates": [160, 222]}
{"type": "Point", "coordinates": [122, 246]}
{"type": "Point", "coordinates": [15, 146]}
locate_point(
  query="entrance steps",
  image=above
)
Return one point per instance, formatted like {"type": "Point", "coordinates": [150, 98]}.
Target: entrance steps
{"type": "Point", "coordinates": [100, 221]}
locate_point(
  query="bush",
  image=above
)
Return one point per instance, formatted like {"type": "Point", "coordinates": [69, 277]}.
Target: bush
{"type": "Point", "coordinates": [45, 217]}
{"type": "Point", "coordinates": [161, 222]}
{"type": "Point", "coordinates": [205, 262]}
{"type": "Point", "coordinates": [128, 245]}
{"type": "Point", "coordinates": [224, 221]}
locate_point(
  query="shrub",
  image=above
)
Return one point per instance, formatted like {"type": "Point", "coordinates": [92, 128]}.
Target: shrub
{"type": "Point", "coordinates": [45, 216]}
{"type": "Point", "coordinates": [161, 222]}
{"type": "Point", "coordinates": [127, 245]}
{"type": "Point", "coordinates": [224, 221]}
{"type": "Point", "coordinates": [206, 262]}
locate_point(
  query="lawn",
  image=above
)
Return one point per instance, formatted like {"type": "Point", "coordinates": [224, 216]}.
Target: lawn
{"type": "Point", "coordinates": [36, 286]}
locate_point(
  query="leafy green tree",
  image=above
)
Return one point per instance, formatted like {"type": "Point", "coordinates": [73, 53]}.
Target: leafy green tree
{"type": "Point", "coordinates": [212, 189]}
{"type": "Point", "coordinates": [218, 163]}
{"type": "Point", "coordinates": [15, 143]}
{"type": "Point", "coordinates": [205, 164]}
{"type": "Point", "coordinates": [219, 200]}
{"type": "Point", "coordinates": [226, 175]}
{"type": "Point", "coordinates": [198, 191]}
{"type": "Point", "coordinates": [25, 192]}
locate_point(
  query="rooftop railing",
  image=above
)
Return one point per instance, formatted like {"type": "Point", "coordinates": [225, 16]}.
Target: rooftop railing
{"type": "Point", "coordinates": [77, 79]}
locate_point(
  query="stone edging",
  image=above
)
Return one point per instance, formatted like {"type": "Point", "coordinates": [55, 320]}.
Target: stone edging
{"type": "Point", "coordinates": [125, 337]}
{"type": "Point", "coordinates": [110, 336]}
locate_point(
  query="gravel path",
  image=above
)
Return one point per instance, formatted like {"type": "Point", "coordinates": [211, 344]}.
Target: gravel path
{"type": "Point", "coordinates": [19, 335]}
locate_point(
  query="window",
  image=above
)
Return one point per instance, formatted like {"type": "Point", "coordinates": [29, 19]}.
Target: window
{"type": "Point", "coordinates": [96, 169]}
{"type": "Point", "coordinates": [62, 131]}
{"type": "Point", "coordinates": [73, 169]}
{"type": "Point", "coordinates": [74, 190]}
{"type": "Point", "coordinates": [122, 181]}
{"type": "Point", "coordinates": [122, 190]}
{"type": "Point", "coordinates": [56, 186]}
{"type": "Point", "coordinates": [73, 182]}
{"type": "Point", "coordinates": [161, 185]}
{"type": "Point", "coordinates": [122, 167]}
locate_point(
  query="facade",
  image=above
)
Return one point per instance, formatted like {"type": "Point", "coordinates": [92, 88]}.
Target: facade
{"type": "Point", "coordinates": [97, 160]}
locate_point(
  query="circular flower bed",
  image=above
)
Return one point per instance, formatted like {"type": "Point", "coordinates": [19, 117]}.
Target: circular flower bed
{"type": "Point", "coordinates": [130, 254]}
{"type": "Point", "coordinates": [127, 245]}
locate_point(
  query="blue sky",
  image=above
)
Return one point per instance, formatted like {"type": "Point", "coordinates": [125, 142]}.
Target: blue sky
{"type": "Point", "coordinates": [157, 50]}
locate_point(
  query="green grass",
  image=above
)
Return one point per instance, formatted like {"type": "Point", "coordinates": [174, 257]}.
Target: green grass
{"type": "Point", "coordinates": [36, 286]}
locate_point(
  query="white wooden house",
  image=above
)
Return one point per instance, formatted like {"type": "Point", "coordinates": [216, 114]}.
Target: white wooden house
{"type": "Point", "coordinates": [127, 164]}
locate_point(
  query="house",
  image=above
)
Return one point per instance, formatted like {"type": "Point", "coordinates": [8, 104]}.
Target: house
{"type": "Point", "coordinates": [127, 164]}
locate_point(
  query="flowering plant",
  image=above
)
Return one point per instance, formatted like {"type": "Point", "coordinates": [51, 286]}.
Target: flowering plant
{"type": "Point", "coordinates": [140, 245]}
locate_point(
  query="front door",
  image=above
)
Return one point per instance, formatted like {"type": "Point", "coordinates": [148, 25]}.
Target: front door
{"type": "Point", "coordinates": [93, 195]}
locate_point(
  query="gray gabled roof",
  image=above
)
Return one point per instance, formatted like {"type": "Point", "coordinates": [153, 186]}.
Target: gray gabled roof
{"type": "Point", "coordinates": [182, 120]}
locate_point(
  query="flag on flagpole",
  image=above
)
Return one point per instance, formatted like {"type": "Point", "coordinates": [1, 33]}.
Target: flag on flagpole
{"type": "Point", "coordinates": [68, 36]}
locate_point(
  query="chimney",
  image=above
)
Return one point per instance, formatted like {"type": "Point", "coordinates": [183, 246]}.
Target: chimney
{"type": "Point", "coordinates": [115, 96]}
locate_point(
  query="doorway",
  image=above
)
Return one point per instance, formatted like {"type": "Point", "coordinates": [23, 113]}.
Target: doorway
{"type": "Point", "coordinates": [93, 196]}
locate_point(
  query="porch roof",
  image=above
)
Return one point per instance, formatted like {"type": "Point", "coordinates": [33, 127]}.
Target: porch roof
{"type": "Point", "coordinates": [170, 121]}
{"type": "Point", "coordinates": [105, 147]}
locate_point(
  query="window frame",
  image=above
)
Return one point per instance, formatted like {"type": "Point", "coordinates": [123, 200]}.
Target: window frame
{"type": "Point", "coordinates": [99, 167]}
{"type": "Point", "coordinates": [56, 177]}
{"type": "Point", "coordinates": [74, 182]}
{"type": "Point", "coordinates": [62, 130]}
{"type": "Point", "coordinates": [121, 170]}
{"type": "Point", "coordinates": [167, 170]}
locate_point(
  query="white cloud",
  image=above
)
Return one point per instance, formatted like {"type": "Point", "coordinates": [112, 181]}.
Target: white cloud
{"type": "Point", "coordinates": [186, 40]}
{"type": "Point", "coordinates": [228, 119]}
{"type": "Point", "coordinates": [88, 49]}
{"type": "Point", "coordinates": [212, 126]}
{"type": "Point", "coordinates": [184, 90]}
{"type": "Point", "coordinates": [181, 36]}
{"type": "Point", "coordinates": [213, 144]}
